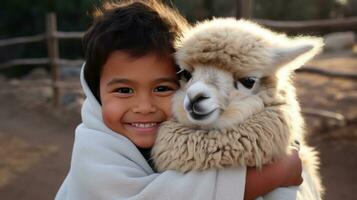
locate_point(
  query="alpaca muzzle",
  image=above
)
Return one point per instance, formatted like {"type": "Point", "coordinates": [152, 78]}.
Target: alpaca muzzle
{"type": "Point", "coordinates": [199, 103]}
{"type": "Point", "coordinates": [195, 108]}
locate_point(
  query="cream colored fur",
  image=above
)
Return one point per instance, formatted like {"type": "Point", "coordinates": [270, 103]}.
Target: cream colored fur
{"type": "Point", "coordinates": [245, 128]}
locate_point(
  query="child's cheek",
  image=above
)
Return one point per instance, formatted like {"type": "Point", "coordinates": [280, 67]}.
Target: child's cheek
{"type": "Point", "coordinates": [110, 114]}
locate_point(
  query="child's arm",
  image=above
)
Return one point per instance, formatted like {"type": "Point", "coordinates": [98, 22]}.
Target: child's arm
{"type": "Point", "coordinates": [282, 173]}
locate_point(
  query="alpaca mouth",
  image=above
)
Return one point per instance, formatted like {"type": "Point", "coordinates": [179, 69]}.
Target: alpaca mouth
{"type": "Point", "coordinates": [198, 116]}
{"type": "Point", "coordinates": [197, 112]}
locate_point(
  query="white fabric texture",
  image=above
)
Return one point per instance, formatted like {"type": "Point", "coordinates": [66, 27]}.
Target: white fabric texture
{"type": "Point", "coordinates": [106, 165]}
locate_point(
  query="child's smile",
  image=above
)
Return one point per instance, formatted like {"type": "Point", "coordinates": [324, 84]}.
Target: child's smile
{"type": "Point", "coordinates": [136, 95]}
{"type": "Point", "coordinates": [144, 127]}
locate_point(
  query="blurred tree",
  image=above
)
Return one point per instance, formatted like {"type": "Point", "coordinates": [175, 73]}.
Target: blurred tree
{"type": "Point", "coordinates": [192, 10]}
{"type": "Point", "coordinates": [74, 15]}
{"type": "Point", "coordinates": [272, 9]}
{"type": "Point", "coordinates": [351, 8]}
{"type": "Point", "coordinates": [203, 9]}
{"type": "Point", "coordinates": [20, 17]}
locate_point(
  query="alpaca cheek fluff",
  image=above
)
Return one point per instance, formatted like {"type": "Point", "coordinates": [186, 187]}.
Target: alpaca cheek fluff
{"type": "Point", "coordinates": [237, 106]}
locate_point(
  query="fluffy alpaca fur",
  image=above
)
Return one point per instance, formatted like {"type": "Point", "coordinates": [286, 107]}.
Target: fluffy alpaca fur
{"type": "Point", "coordinates": [234, 125]}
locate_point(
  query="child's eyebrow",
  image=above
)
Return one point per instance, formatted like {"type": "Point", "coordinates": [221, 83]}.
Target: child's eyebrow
{"type": "Point", "coordinates": [167, 79]}
{"type": "Point", "coordinates": [159, 80]}
{"type": "Point", "coordinates": [118, 80]}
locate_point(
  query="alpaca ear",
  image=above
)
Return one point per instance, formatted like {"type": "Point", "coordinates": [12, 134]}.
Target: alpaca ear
{"type": "Point", "coordinates": [285, 55]}
{"type": "Point", "coordinates": [297, 53]}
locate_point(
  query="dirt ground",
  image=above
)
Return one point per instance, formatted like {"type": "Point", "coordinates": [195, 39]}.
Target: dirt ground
{"type": "Point", "coordinates": [36, 140]}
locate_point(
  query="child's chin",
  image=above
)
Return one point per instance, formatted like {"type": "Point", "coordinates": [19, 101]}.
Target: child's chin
{"type": "Point", "coordinates": [145, 144]}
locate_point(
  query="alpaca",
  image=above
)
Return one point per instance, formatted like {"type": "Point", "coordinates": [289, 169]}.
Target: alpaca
{"type": "Point", "coordinates": [237, 105]}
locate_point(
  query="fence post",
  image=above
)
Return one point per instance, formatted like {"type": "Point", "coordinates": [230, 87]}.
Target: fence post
{"type": "Point", "coordinates": [244, 9]}
{"type": "Point", "coordinates": [53, 53]}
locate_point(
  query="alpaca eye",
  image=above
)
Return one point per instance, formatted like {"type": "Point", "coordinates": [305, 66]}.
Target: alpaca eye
{"type": "Point", "coordinates": [248, 82]}
{"type": "Point", "coordinates": [184, 75]}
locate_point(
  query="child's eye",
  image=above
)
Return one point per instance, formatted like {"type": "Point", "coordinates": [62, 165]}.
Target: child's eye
{"type": "Point", "coordinates": [124, 90]}
{"type": "Point", "coordinates": [163, 89]}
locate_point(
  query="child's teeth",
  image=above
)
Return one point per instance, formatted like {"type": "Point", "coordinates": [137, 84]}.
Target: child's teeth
{"type": "Point", "coordinates": [143, 125]}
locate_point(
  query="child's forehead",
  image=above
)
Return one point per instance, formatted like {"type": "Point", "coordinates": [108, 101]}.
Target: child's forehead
{"type": "Point", "coordinates": [122, 63]}
{"type": "Point", "coordinates": [130, 57]}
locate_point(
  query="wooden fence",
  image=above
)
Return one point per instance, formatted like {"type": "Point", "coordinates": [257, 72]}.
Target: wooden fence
{"type": "Point", "coordinates": [244, 10]}
{"type": "Point", "coordinates": [316, 27]}
{"type": "Point", "coordinates": [52, 36]}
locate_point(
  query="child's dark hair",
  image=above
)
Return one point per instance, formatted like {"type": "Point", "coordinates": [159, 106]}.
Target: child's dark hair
{"type": "Point", "coordinates": [137, 27]}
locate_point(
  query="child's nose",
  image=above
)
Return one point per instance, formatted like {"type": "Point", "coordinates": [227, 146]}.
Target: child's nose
{"type": "Point", "coordinates": [144, 105]}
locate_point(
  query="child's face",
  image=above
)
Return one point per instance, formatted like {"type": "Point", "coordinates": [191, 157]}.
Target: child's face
{"type": "Point", "coordinates": [136, 95]}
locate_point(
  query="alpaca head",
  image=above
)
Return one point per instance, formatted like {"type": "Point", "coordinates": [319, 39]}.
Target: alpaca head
{"type": "Point", "coordinates": [229, 66]}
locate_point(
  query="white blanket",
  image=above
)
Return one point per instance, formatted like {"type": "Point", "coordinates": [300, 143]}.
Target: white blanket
{"type": "Point", "coordinates": [106, 165]}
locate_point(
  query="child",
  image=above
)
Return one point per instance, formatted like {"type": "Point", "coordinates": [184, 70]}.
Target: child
{"type": "Point", "coordinates": [129, 78]}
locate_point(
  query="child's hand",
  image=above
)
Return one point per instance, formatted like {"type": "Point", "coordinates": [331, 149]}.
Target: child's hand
{"type": "Point", "coordinates": [292, 169]}
{"type": "Point", "coordinates": [282, 173]}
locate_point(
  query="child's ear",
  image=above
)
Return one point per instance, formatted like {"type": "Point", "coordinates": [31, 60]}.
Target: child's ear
{"type": "Point", "coordinates": [296, 53]}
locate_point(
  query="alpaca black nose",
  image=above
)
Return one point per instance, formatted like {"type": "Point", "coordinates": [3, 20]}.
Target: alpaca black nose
{"type": "Point", "coordinates": [198, 98]}
{"type": "Point", "coordinates": [194, 104]}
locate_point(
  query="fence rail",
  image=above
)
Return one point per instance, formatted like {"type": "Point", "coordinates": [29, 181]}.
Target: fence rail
{"type": "Point", "coordinates": [46, 83]}
{"type": "Point", "coordinates": [40, 38]}
{"type": "Point", "coordinates": [51, 37]}
{"type": "Point", "coordinates": [40, 61]}
{"type": "Point", "coordinates": [69, 35]}
{"type": "Point", "coordinates": [22, 40]}
{"type": "Point", "coordinates": [311, 26]}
